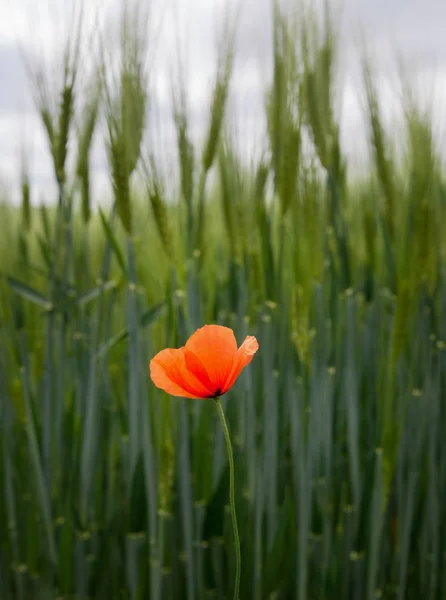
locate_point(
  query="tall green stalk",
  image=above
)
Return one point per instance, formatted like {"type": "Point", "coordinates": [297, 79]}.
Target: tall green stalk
{"type": "Point", "coordinates": [232, 498]}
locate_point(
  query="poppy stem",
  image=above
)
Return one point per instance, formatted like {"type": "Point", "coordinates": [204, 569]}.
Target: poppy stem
{"type": "Point", "coordinates": [232, 497]}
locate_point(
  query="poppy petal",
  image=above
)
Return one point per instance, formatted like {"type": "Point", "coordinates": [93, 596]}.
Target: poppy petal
{"type": "Point", "coordinates": [243, 357]}
{"type": "Point", "coordinates": [196, 367]}
{"type": "Point", "coordinates": [209, 354]}
{"type": "Point", "coordinates": [169, 372]}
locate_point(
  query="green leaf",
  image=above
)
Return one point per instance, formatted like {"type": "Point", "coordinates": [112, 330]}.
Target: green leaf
{"type": "Point", "coordinates": [88, 297]}
{"type": "Point", "coordinates": [29, 293]}
{"type": "Point", "coordinates": [146, 319]}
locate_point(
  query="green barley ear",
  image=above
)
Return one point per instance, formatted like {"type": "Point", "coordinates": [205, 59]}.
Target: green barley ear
{"type": "Point", "coordinates": [260, 181]}
{"type": "Point", "coordinates": [422, 162]}
{"type": "Point", "coordinates": [382, 149]}
{"type": "Point", "coordinates": [319, 58]}
{"type": "Point", "coordinates": [284, 111]}
{"type": "Point", "coordinates": [229, 192]}
{"type": "Point", "coordinates": [155, 192]}
{"type": "Point", "coordinates": [85, 138]}
{"type": "Point", "coordinates": [85, 189]}
{"type": "Point", "coordinates": [133, 111]}
{"type": "Point", "coordinates": [133, 79]}
{"type": "Point", "coordinates": [47, 119]}
{"type": "Point", "coordinates": [57, 109]}
{"type": "Point", "coordinates": [126, 109]}
{"type": "Point", "coordinates": [120, 175]}
{"type": "Point", "coordinates": [219, 101]}
{"type": "Point", "coordinates": [64, 125]}
{"type": "Point", "coordinates": [26, 194]}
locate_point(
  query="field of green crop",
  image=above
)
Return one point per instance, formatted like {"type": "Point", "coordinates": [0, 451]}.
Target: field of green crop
{"type": "Point", "coordinates": [111, 489]}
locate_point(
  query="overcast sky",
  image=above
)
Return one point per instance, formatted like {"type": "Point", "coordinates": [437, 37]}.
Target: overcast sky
{"type": "Point", "coordinates": [415, 28]}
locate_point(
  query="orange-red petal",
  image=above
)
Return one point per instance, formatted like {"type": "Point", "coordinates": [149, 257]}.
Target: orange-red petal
{"type": "Point", "coordinates": [169, 372]}
{"type": "Point", "coordinates": [243, 357]}
{"type": "Point", "coordinates": [210, 354]}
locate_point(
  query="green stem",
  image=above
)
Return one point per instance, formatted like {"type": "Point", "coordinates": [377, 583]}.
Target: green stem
{"type": "Point", "coordinates": [232, 497]}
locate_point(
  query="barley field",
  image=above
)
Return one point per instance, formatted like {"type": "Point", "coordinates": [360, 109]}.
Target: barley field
{"type": "Point", "coordinates": [109, 487]}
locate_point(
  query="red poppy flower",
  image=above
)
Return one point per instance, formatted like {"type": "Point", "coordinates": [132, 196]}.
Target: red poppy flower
{"type": "Point", "coordinates": [206, 367]}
